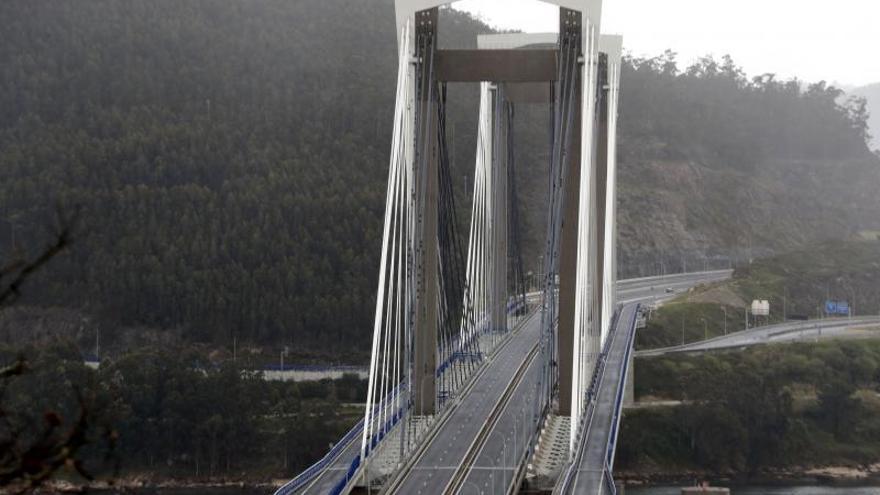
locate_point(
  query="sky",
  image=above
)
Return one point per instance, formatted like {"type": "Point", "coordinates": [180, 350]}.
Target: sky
{"type": "Point", "coordinates": [814, 40]}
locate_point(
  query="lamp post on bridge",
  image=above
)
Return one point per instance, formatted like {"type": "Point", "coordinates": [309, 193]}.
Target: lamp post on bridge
{"type": "Point", "coordinates": [504, 463]}
{"type": "Point", "coordinates": [540, 270]}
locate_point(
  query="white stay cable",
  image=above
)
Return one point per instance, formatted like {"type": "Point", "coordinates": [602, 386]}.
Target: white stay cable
{"type": "Point", "coordinates": [393, 179]}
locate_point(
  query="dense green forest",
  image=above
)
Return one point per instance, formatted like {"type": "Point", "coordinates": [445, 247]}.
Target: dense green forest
{"type": "Point", "coordinates": [174, 415]}
{"type": "Point", "coordinates": [229, 159]}
{"type": "Point", "coordinates": [744, 413]}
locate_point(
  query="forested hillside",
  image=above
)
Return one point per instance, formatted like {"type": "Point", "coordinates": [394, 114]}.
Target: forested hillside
{"type": "Point", "coordinates": [229, 161]}
{"type": "Point", "coordinates": [716, 163]}
{"type": "Point", "coordinates": [871, 93]}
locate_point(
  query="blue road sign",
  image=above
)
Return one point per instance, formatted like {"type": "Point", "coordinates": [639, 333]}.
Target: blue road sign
{"type": "Point", "coordinates": [837, 308]}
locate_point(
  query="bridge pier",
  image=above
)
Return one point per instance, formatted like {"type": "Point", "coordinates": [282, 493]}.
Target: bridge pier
{"type": "Point", "coordinates": [498, 260]}
{"type": "Point", "coordinates": [568, 254]}
{"type": "Point", "coordinates": [425, 331]}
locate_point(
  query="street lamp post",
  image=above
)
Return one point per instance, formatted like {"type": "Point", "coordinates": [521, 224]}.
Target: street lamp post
{"type": "Point", "coordinates": [283, 353]}
{"type": "Point", "coordinates": [541, 275]}
{"type": "Point", "coordinates": [723, 308]}
{"type": "Point", "coordinates": [504, 465]}
{"type": "Point", "coordinates": [784, 303]}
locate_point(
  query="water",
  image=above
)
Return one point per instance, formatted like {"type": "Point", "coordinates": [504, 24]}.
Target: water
{"type": "Point", "coordinates": [663, 490]}
{"type": "Point", "coordinates": [660, 490]}
{"type": "Point", "coordinates": [191, 491]}
{"type": "Point", "coordinates": [758, 490]}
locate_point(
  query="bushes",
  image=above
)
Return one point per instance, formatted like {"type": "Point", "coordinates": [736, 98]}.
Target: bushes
{"type": "Point", "coordinates": [739, 412]}
{"type": "Point", "coordinates": [176, 418]}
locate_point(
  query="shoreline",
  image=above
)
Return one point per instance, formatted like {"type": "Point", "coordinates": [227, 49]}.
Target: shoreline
{"type": "Point", "coordinates": [830, 475]}
{"type": "Point", "coordinates": [150, 482]}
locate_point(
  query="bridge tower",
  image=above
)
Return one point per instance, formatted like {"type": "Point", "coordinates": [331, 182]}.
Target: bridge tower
{"type": "Point", "coordinates": [415, 351]}
{"type": "Point", "coordinates": [596, 267]}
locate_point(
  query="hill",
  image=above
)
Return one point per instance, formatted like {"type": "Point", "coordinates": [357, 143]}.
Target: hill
{"type": "Point", "coordinates": [230, 158]}
{"type": "Point", "coordinates": [871, 93]}
{"type": "Point", "coordinates": [716, 165]}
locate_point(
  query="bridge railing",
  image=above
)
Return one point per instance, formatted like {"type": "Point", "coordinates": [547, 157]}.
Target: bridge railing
{"type": "Point", "coordinates": [609, 480]}
{"type": "Point", "coordinates": [598, 374]}
{"type": "Point", "coordinates": [621, 390]}
{"type": "Point", "coordinates": [587, 417]}
{"type": "Point", "coordinates": [318, 467]}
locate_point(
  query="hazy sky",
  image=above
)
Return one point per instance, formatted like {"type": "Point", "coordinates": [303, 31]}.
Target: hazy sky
{"type": "Point", "coordinates": [786, 37]}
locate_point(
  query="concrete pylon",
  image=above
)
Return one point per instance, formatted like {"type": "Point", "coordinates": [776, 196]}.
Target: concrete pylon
{"type": "Point", "coordinates": [581, 270]}
{"type": "Point", "coordinates": [427, 298]}
{"type": "Point", "coordinates": [500, 164]}
{"type": "Point", "coordinates": [568, 255]}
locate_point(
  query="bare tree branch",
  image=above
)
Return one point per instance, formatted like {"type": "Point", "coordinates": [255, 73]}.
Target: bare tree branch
{"type": "Point", "coordinates": [20, 270]}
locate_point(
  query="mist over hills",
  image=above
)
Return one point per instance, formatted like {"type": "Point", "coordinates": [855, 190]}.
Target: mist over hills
{"type": "Point", "coordinates": [871, 92]}
{"type": "Point", "coordinates": [230, 160]}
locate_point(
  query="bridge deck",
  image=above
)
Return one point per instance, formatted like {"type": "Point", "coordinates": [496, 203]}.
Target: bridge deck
{"type": "Point", "coordinates": [498, 462]}
{"type": "Point", "coordinates": [590, 469]}
{"type": "Point", "coordinates": [330, 477]}
{"type": "Point", "coordinates": [437, 464]}
{"type": "Point", "coordinates": [506, 440]}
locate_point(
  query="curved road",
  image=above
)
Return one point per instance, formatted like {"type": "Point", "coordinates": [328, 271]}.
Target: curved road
{"type": "Point", "coordinates": [792, 331]}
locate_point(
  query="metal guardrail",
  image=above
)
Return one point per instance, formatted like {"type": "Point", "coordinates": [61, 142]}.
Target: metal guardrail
{"type": "Point", "coordinates": [587, 417]}
{"type": "Point", "coordinates": [595, 383]}
{"type": "Point", "coordinates": [824, 324]}
{"type": "Point", "coordinates": [671, 276]}
{"type": "Point", "coordinates": [315, 367]}
{"type": "Point", "coordinates": [609, 480]}
{"type": "Point", "coordinates": [699, 346]}
{"type": "Point", "coordinates": [312, 471]}
{"type": "Point", "coordinates": [318, 467]}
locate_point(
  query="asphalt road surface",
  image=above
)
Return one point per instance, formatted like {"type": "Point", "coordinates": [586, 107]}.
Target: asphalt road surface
{"type": "Point", "coordinates": [440, 460]}
{"type": "Point", "coordinates": [501, 453]}
{"type": "Point", "coordinates": [792, 331]}
{"type": "Point", "coordinates": [588, 477]}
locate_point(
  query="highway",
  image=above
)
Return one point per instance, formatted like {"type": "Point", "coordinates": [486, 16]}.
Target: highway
{"type": "Point", "coordinates": [492, 453]}
{"type": "Point", "coordinates": [499, 459]}
{"type": "Point", "coordinates": [489, 458]}
{"type": "Point", "coordinates": [468, 453]}
{"type": "Point", "coordinates": [439, 461]}
{"type": "Point", "coordinates": [653, 289]}
{"type": "Point", "coordinates": [792, 331]}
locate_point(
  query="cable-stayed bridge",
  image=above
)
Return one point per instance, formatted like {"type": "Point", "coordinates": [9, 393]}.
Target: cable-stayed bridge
{"type": "Point", "coordinates": [477, 386]}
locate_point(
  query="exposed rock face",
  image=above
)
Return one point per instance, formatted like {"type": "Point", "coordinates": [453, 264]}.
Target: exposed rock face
{"type": "Point", "coordinates": [679, 212]}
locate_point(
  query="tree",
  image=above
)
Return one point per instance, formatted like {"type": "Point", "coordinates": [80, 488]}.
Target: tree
{"type": "Point", "coordinates": [32, 450]}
